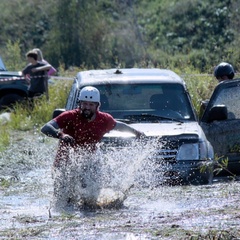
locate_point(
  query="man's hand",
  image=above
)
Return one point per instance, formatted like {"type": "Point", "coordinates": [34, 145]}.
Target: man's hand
{"type": "Point", "coordinates": [28, 78]}
{"type": "Point", "coordinates": [140, 134]}
{"type": "Point", "coordinates": [66, 138]}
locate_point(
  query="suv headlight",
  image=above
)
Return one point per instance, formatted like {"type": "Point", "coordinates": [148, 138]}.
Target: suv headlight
{"type": "Point", "coordinates": [188, 152]}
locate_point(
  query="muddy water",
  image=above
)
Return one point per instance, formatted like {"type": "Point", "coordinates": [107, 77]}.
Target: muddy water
{"type": "Point", "coordinates": [182, 212]}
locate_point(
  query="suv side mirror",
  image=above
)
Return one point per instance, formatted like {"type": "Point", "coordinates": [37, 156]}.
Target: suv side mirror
{"type": "Point", "coordinates": [57, 112]}
{"type": "Point", "coordinates": [217, 113]}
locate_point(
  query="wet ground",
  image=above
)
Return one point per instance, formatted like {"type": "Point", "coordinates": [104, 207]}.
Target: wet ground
{"type": "Point", "coordinates": [179, 212]}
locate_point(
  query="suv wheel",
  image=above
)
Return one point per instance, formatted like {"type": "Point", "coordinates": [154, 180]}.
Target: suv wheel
{"type": "Point", "coordinates": [9, 100]}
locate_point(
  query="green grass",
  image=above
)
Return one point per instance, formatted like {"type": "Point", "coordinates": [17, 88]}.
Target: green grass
{"type": "Point", "coordinates": [5, 137]}
{"type": "Point", "coordinates": [23, 118]}
{"type": "Point", "coordinates": [200, 88]}
{"type": "Point", "coordinates": [200, 85]}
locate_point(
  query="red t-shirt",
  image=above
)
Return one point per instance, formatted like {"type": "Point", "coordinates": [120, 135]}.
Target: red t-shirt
{"type": "Point", "coordinates": [86, 134]}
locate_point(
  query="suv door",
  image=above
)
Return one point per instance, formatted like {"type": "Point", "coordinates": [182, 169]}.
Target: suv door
{"type": "Point", "coordinates": [221, 124]}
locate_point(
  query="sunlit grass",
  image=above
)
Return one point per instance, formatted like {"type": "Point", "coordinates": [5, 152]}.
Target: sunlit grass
{"type": "Point", "coordinates": [20, 118]}
{"type": "Point", "coordinates": [200, 88]}
{"type": "Point", "coordinates": [200, 85]}
{"type": "Point", "coordinates": [24, 118]}
{"type": "Point", "coordinates": [5, 138]}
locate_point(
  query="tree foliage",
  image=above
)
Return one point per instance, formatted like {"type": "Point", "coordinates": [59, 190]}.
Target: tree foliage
{"type": "Point", "coordinates": [100, 33]}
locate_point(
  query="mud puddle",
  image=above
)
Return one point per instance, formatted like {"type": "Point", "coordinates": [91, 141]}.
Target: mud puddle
{"type": "Point", "coordinates": [179, 212]}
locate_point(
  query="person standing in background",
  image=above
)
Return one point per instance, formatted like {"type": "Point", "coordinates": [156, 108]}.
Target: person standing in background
{"type": "Point", "coordinates": [222, 72]}
{"type": "Point", "coordinates": [52, 71]}
{"type": "Point", "coordinates": [34, 73]}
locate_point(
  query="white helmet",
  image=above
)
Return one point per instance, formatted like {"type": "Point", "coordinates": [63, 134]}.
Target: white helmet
{"type": "Point", "coordinates": [90, 94]}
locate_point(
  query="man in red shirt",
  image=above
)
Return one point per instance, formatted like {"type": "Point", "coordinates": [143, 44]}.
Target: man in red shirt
{"type": "Point", "coordinates": [84, 127]}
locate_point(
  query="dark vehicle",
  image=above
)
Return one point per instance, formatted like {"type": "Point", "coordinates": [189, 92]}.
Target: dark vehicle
{"type": "Point", "coordinates": [221, 124]}
{"type": "Point", "coordinates": [13, 86]}
{"type": "Point", "coordinates": [156, 102]}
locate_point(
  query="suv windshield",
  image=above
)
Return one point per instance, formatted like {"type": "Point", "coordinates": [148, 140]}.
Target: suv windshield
{"type": "Point", "coordinates": [163, 100]}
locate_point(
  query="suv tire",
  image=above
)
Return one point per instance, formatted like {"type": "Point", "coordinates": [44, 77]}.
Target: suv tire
{"type": "Point", "coordinates": [9, 100]}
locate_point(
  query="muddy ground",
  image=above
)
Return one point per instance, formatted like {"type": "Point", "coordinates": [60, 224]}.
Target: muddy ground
{"type": "Point", "coordinates": [179, 212]}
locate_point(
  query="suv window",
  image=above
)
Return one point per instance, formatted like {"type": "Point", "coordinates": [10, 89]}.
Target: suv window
{"type": "Point", "coordinates": [167, 100]}
{"type": "Point", "coordinates": [230, 97]}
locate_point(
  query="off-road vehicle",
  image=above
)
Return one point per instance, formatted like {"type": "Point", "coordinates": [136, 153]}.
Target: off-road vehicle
{"type": "Point", "coordinates": [13, 86]}
{"type": "Point", "coordinates": [156, 102]}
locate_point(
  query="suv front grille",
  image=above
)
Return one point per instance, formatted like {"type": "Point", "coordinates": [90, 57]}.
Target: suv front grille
{"type": "Point", "coordinates": [166, 155]}
{"type": "Point", "coordinates": [165, 150]}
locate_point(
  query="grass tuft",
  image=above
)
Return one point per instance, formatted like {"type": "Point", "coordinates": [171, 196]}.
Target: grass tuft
{"type": "Point", "coordinates": [23, 118]}
{"type": "Point", "coordinates": [5, 137]}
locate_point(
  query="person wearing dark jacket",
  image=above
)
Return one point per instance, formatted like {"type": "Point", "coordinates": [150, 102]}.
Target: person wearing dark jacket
{"type": "Point", "coordinates": [34, 73]}
{"type": "Point", "coordinates": [223, 72]}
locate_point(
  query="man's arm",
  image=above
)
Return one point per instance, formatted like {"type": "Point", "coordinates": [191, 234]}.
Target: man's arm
{"type": "Point", "coordinates": [42, 68]}
{"type": "Point", "coordinates": [51, 129]}
{"type": "Point", "coordinates": [26, 73]}
{"type": "Point", "coordinates": [52, 71]}
{"type": "Point", "coordinates": [123, 127]}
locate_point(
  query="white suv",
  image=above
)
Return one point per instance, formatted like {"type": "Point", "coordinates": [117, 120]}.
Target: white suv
{"type": "Point", "coordinates": [156, 102]}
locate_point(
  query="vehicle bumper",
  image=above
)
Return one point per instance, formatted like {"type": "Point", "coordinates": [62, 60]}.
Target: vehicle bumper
{"type": "Point", "coordinates": [190, 172]}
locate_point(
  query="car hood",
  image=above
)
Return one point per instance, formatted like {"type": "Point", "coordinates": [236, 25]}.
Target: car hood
{"type": "Point", "coordinates": [162, 129]}
{"type": "Point", "coordinates": [10, 74]}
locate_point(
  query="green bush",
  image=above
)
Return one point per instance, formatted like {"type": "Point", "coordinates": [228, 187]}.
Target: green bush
{"type": "Point", "coordinates": [13, 58]}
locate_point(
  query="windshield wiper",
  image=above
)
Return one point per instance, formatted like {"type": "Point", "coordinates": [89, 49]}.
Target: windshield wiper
{"type": "Point", "coordinates": [146, 116]}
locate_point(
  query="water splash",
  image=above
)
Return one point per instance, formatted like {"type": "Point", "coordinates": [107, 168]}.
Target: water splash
{"type": "Point", "coordinates": [104, 179]}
